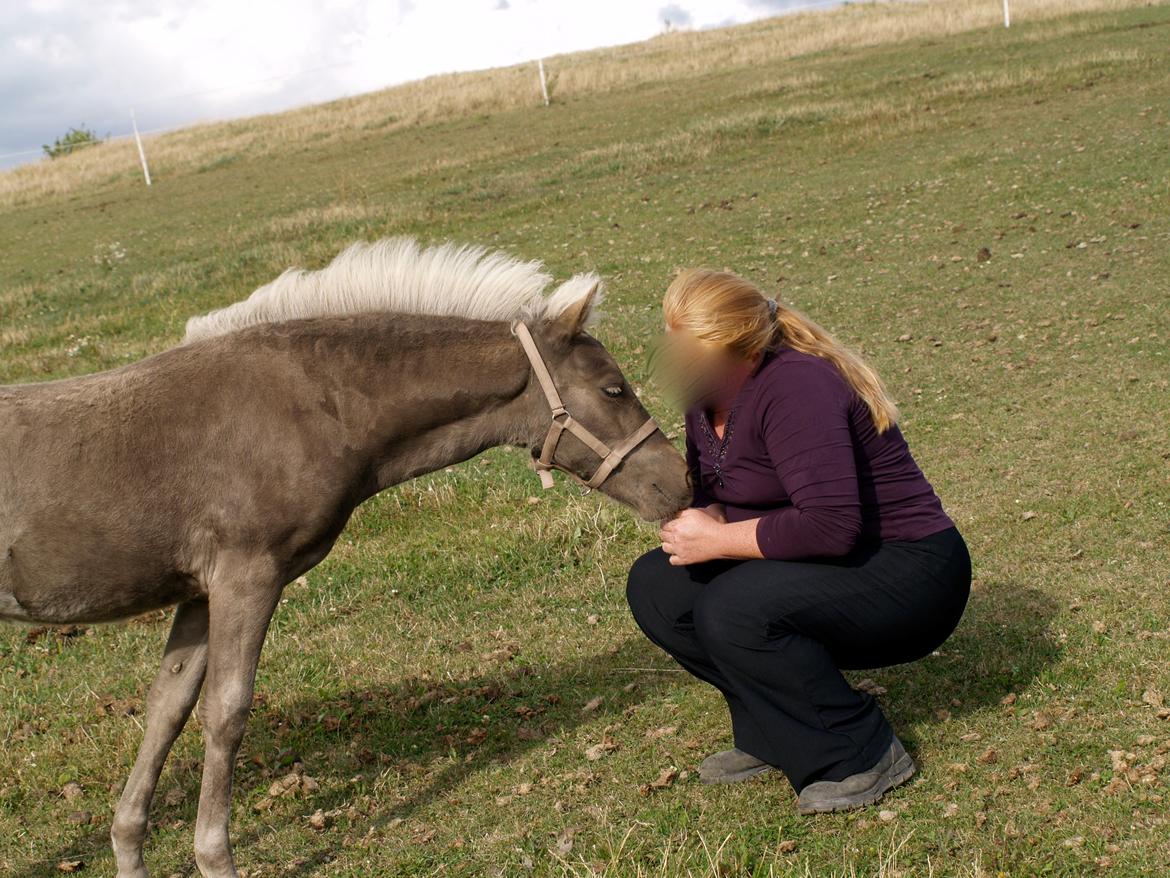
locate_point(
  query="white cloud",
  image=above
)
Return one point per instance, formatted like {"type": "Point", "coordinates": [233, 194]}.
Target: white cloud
{"type": "Point", "coordinates": [69, 62]}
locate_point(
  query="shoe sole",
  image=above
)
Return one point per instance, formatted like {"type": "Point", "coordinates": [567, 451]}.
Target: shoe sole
{"type": "Point", "coordinates": [737, 777]}
{"type": "Point", "coordinates": [897, 774]}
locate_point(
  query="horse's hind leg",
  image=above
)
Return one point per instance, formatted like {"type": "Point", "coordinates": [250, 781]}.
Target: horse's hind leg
{"type": "Point", "coordinates": [241, 607]}
{"type": "Point", "coordinates": [168, 705]}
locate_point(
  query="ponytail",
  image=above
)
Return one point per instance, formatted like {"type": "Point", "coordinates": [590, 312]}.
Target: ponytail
{"type": "Point", "coordinates": [800, 333]}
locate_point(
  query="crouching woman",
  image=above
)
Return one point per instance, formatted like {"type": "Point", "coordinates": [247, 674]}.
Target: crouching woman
{"type": "Point", "coordinates": [814, 543]}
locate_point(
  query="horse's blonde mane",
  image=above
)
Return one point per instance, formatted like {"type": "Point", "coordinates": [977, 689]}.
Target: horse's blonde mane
{"type": "Point", "coordinates": [398, 275]}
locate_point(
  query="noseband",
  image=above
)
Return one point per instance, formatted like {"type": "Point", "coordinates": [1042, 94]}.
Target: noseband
{"type": "Point", "coordinates": [562, 421]}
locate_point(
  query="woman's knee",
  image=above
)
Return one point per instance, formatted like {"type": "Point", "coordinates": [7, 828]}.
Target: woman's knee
{"type": "Point", "coordinates": [646, 580]}
{"type": "Point", "coordinates": [722, 623]}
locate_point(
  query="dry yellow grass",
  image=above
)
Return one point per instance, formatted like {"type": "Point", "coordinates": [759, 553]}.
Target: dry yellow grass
{"type": "Point", "coordinates": [669, 57]}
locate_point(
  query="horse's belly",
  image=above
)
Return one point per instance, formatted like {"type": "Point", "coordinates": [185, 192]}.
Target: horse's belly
{"type": "Point", "coordinates": [64, 602]}
{"type": "Point", "coordinates": [10, 608]}
{"type": "Point", "coordinates": [82, 576]}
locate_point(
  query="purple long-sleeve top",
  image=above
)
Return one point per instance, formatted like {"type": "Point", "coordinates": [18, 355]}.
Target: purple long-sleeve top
{"type": "Point", "coordinates": [800, 453]}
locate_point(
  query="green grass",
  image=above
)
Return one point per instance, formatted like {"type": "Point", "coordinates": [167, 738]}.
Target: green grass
{"type": "Point", "coordinates": [432, 674]}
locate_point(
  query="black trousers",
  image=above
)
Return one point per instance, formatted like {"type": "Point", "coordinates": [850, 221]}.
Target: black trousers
{"type": "Point", "coordinates": [772, 636]}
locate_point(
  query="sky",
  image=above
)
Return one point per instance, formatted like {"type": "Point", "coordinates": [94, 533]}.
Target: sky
{"type": "Point", "coordinates": [66, 63]}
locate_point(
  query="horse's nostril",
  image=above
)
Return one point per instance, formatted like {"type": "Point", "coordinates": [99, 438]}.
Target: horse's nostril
{"type": "Point", "coordinates": [665, 494]}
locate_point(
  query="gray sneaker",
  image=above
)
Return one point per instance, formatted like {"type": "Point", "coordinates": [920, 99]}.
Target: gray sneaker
{"type": "Point", "coordinates": [730, 766]}
{"type": "Point", "coordinates": [894, 768]}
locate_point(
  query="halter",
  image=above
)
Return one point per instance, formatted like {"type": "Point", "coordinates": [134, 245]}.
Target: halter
{"type": "Point", "coordinates": [562, 421]}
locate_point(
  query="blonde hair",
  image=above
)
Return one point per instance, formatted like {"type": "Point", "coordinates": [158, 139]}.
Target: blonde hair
{"type": "Point", "coordinates": [724, 311]}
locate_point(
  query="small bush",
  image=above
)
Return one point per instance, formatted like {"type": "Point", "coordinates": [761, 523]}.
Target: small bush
{"type": "Point", "coordinates": [73, 139]}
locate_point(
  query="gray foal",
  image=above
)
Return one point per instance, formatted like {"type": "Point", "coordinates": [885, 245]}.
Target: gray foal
{"type": "Point", "coordinates": [213, 473]}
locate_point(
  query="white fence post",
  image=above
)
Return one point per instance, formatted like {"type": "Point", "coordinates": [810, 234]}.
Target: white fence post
{"type": "Point", "coordinates": [1007, 16]}
{"type": "Point", "coordinates": [142, 152]}
{"type": "Point", "coordinates": [544, 84]}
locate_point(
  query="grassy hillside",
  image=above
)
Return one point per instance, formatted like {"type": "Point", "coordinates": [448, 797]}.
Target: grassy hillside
{"type": "Point", "coordinates": [983, 211]}
{"type": "Point", "coordinates": [674, 59]}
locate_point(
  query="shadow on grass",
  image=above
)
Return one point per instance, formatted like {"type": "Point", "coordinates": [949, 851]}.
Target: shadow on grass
{"type": "Point", "coordinates": [1002, 644]}
{"type": "Point", "coordinates": [410, 726]}
{"type": "Point", "coordinates": [406, 727]}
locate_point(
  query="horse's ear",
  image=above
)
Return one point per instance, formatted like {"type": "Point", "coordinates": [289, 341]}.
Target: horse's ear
{"type": "Point", "coordinates": [575, 316]}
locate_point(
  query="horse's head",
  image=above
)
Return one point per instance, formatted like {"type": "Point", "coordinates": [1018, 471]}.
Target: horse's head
{"type": "Point", "coordinates": [597, 429]}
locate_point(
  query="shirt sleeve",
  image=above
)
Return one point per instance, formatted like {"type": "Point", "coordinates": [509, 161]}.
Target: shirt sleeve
{"type": "Point", "coordinates": [805, 427]}
{"type": "Point", "coordinates": [699, 497]}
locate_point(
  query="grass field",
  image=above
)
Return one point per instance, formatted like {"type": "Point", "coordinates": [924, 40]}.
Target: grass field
{"type": "Point", "coordinates": [983, 212]}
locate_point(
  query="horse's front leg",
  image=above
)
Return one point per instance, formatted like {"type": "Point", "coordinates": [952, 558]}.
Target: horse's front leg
{"type": "Point", "coordinates": [241, 603]}
{"type": "Point", "coordinates": [168, 705]}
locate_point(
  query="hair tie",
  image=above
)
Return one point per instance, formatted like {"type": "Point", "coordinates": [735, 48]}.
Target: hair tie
{"type": "Point", "coordinates": [773, 307]}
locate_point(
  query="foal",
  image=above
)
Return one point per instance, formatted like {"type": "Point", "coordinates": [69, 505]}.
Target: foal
{"type": "Point", "coordinates": [213, 473]}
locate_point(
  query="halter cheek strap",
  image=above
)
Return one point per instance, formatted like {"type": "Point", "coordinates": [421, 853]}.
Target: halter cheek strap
{"type": "Point", "coordinates": [562, 421]}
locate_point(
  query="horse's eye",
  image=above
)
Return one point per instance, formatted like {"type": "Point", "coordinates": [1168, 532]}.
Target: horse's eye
{"type": "Point", "coordinates": [613, 390]}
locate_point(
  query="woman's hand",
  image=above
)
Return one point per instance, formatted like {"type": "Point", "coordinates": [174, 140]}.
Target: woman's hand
{"type": "Point", "coordinates": [717, 511]}
{"type": "Point", "coordinates": [693, 536]}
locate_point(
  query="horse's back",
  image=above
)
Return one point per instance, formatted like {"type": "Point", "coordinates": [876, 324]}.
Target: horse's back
{"type": "Point", "coordinates": [83, 537]}
{"type": "Point", "coordinates": [118, 489]}
{"type": "Point", "coordinates": [10, 500]}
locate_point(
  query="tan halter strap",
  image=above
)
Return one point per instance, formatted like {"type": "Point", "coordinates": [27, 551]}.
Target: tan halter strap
{"type": "Point", "coordinates": [562, 421]}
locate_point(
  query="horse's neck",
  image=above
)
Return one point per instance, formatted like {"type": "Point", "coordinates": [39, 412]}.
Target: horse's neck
{"type": "Point", "coordinates": [431, 392]}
